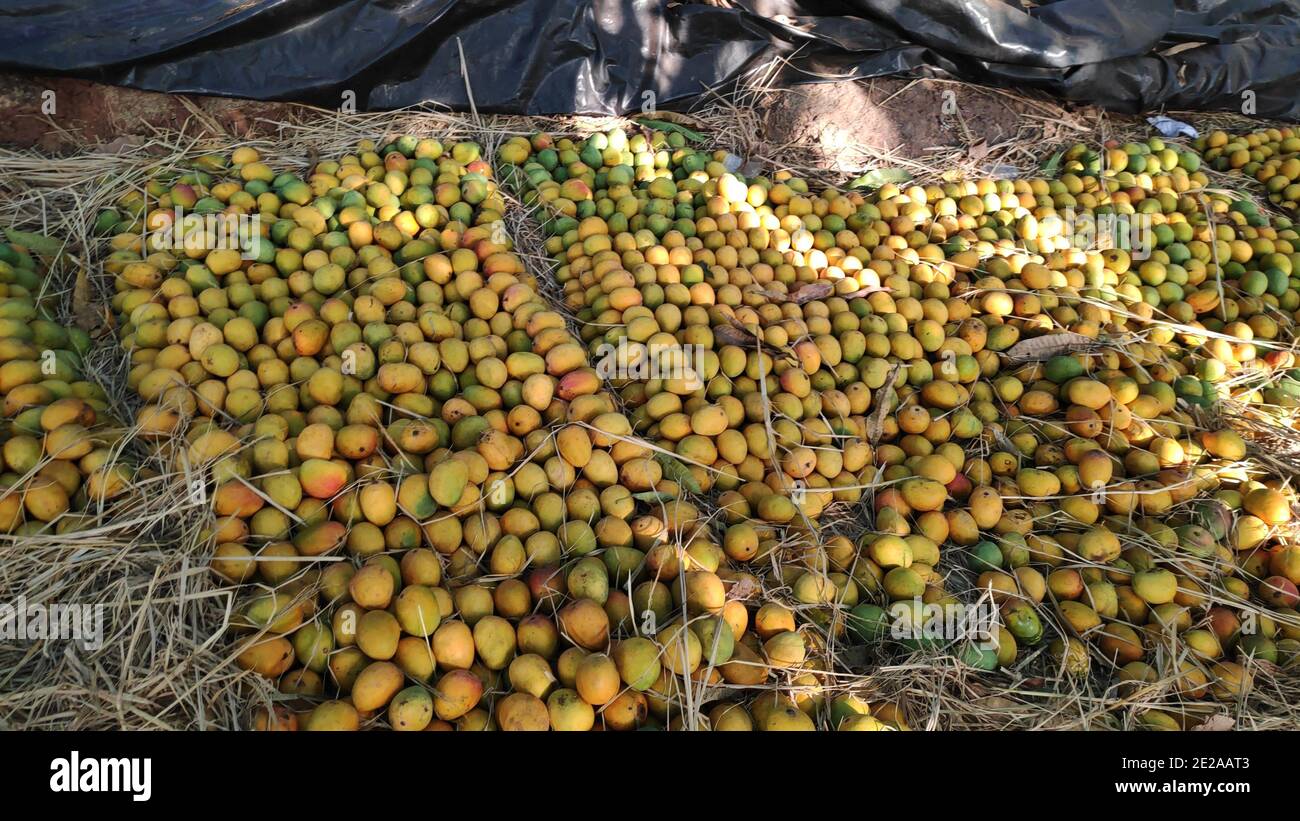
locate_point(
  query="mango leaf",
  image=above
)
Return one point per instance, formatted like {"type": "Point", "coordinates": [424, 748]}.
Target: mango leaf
{"type": "Point", "coordinates": [678, 118]}
{"type": "Point", "coordinates": [1043, 348]}
{"type": "Point", "coordinates": [877, 177]}
{"type": "Point", "coordinates": [1216, 723]}
{"type": "Point", "coordinates": [677, 472]}
{"type": "Point", "coordinates": [653, 496]}
{"type": "Point", "coordinates": [661, 125]}
{"type": "Point", "coordinates": [813, 290]}
{"type": "Point", "coordinates": [83, 303]}
{"type": "Point", "coordinates": [41, 244]}
{"type": "Point", "coordinates": [1052, 163]}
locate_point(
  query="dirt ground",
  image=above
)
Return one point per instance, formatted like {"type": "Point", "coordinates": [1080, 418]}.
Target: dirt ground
{"type": "Point", "coordinates": [846, 122]}
{"type": "Point", "coordinates": [853, 121]}
{"type": "Point", "coordinates": [86, 113]}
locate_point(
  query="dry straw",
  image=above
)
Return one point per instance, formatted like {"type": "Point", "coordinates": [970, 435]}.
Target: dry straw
{"type": "Point", "coordinates": [167, 659]}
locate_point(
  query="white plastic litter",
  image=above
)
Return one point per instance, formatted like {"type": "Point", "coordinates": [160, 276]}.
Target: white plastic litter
{"type": "Point", "coordinates": [1169, 127]}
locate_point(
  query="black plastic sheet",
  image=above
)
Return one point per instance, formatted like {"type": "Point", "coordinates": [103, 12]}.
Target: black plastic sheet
{"type": "Point", "coordinates": [618, 56]}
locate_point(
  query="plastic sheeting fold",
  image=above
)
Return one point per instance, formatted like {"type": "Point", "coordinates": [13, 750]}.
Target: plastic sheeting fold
{"type": "Point", "coordinates": [608, 56]}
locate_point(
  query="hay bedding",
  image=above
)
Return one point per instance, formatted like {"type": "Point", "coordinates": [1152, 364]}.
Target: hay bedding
{"type": "Point", "coordinates": [166, 659]}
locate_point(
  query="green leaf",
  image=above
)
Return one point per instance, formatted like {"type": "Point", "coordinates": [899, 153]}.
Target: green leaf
{"type": "Point", "coordinates": [653, 496]}
{"type": "Point", "coordinates": [1051, 164]}
{"type": "Point", "coordinates": [677, 472]}
{"type": "Point", "coordinates": [877, 177]}
{"type": "Point", "coordinates": [660, 125]}
{"type": "Point", "coordinates": [41, 244]}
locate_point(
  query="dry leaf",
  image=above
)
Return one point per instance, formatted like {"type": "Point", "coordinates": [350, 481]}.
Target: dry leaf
{"type": "Point", "coordinates": [1042, 348]}
{"type": "Point", "coordinates": [812, 291]}
{"type": "Point", "coordinates": [678, 118]}
{"type": "Point", "coordinates": [84, 313]}
{"type": "Point", "coordinates": [872, 289]}
{"type": "Point", "coordinates": [744, 588]}
{"type": "Point", "coordinates": [854, 657]}
{"type": "Point", "coordinates": [742, 337]}
{"type": "Point", "coordinates": [1217, 723]}
{"type": "Point", "coordinates": [731, 335]}
{"type": "Point", "coordinates": [877, 424]}
{"type": "Point", "coordinates": [117, 146]}
{"type": "Point", "coordinates": [1001, 440]}
{"type": "Point", "coordinates": [997, 703]}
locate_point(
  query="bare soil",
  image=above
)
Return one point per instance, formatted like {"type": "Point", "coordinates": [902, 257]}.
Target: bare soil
{"type": "Point", "coordinates": [911, 119]}
{"type": "Point", "coordinates": [87, 113]}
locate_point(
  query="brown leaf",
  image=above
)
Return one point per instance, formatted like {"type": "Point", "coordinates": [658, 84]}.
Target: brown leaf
{"type": "Point", "coordinates": [854, 657]}
{"type": "Point", "coordinates": [680, 119]}
{"type": "Point", "coordinates": [238, 123]}
{"type": "Point", "coordinates": [812, 291]}
{"type": "Point", "coordinates": [1042, 348]}
{"type": "Point", "coordinates": [120, 144]}
{"type": "Point", "coordinates": [84, 313]}
{"type": "Point", "coordinates": [749, 337]}
{"type": "Point", "coordinates": [1000, 440]}
{"type": "Point", "coordinates": [731, 335]}
{"type": "Point", "coordinates": [743, 588]}
{"type": "Point", "coordinates": [774, 296]}
{"type": "Point", "coordinates": [872, 289]}
{"type": "Point", "coordinates": [876, 426]}
{"type": "Point", "coordinates": [1216, 723]}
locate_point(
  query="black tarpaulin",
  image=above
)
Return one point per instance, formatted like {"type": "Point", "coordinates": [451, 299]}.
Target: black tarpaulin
{"type": "Point", "coordinates": [608, 56]}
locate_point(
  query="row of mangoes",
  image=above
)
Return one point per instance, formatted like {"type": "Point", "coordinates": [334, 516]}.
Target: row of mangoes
{"type": "Point", "coordinates": [891, 324]}
{"type": "Point", "coordinates": [433, 506]}
{"type": "Point", "coordinates": [1270, 155]}
{"type": "Point", "coordinates": [59, 461]}
{"type": "Point", "coordinates": [373, 375]}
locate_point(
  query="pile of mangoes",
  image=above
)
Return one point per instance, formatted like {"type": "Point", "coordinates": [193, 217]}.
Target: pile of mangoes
{"type": "Point", "coordinates": [58, 465]}
{"type": "Point", "coordinates": [451, 504]}
{"type": "Point", "coordinates": [884, 327]}
{"type": "Point", "coordinates": [1270, 155]}
{"type": "Point", "coordinates": [439, 516]}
